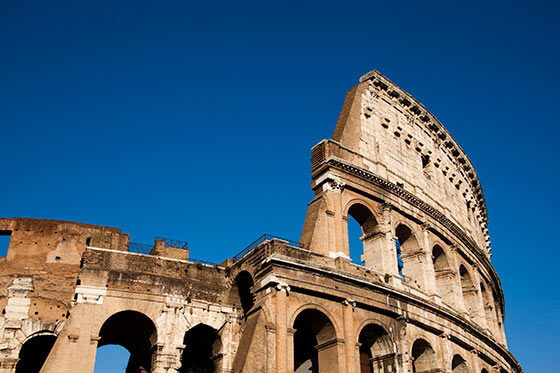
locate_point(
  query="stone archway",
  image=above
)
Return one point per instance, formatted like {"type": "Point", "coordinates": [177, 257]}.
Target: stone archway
{"type": "Point", "coordinates": [376, 350]}
{"type": "Point", "coordinates": [315, 343]}
{"type": "Point", "coordinates": [34, 352]}
{"type": "Point", "coordinates": [134, 331]}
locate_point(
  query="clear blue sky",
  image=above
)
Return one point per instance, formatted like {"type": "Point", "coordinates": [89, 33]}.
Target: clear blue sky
{"type": "Point", "coordinates": [195, 120]}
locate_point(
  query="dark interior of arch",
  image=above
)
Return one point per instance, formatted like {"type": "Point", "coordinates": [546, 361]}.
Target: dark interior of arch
{"type": "Point", "coordinates": [440, 259]}
{"type": "Point", "coordinates": [364, 217]}
{"type": "Point", "coordinates": [465, 277]}
{"type": "Point", "coordinates": [33, 353]}
{"type": "Point", "coordinates": [135, 332]}
{"type": "Point", "coordinates": [202, 344]}
{"type": "Point", "coordinates": [375, 344]}
{"type": "Point", "coordinates": [423, 359]}
{"type": "Point", "coordinates": [459, 365]}
{"type": "Point", "coordinates": [244, 285]}
{"type": "Point", "coordinates": [312, 328]}
{"type": "Point", "coordinates": [404, 234]}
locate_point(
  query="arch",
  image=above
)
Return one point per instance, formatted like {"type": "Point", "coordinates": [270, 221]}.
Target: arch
{"type": "Point", "coordinates": [459, 365]}
{"type": "Point", "coordinates": [444, 276]}
{"type": "Point", "coordinates": [376, 350]}
{"type": "Point", "coordinates": [34, 352]}
{"type": "Point", "coordinates": [483, 370]}
{"type": "Point", "coordinates": [469, 291]}
{"type": "Point", "coordinates": [315, 342]}
{"type": "Point", "coordinates": [409, 256]}
{"type": "Point", "coordinates": [369, 226]}
{"type": "Point", "coordinates": [203, 347]}
{"type": "Point", "coordinates": [423, 357]}
{"type": "Point", "coordinates": [134, 331]}
{"type": "Point", "coordinates": [242, 291]}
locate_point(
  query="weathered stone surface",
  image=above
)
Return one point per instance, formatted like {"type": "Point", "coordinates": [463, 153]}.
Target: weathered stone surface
{"type": "Point", "coordinates": [283, 307]}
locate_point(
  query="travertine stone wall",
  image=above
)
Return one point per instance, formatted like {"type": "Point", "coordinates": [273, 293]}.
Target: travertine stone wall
{"type": "Point", "coordinates": [68, 288]}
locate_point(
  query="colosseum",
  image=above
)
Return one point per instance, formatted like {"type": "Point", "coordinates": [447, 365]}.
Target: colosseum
{"type": "Point", "coordinates": [425, 298]}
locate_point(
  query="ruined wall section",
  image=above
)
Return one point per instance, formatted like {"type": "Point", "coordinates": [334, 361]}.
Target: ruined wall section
{"type": "Point", "coordinates": [155, 275]}
{"type": "Point", "coordinates": [55, 241]}
{"type": "Point", "coordinates": [399, 140]}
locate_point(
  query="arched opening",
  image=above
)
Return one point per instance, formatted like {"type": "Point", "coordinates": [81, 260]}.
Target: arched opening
{"type": "Point", "coordinates": [444, 275]}
{"type": "Point", "coordinates": [409, 256]}
{"type": "Point", "coordinates": [243, 287]}
{"type": "Point", "coordinates": [133, 331]}
{"type": "Point", "coordinates": [202, 350]}
{"type": "Point", "coordinates": [376, 350]}
{"type": "Point", "coordinates": [363, 226]}
{"type": "Point", "coordinates": [483, 370]}
{"type": "Point", "coordinates": [469, 291]}
{"type": "Point", "coordinates": [423, 357]}
{"type": "Point", "coordinates": [34, 352]}
{"type": "Point", "coordinates": [459, 365]}
{"type": "Point", "coordinates": [314, 343]}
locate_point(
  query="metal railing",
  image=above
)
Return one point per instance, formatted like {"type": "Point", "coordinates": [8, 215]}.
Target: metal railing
{"type": "Point", "coordinates": [214, 264]}
{"type": "Point", "coordinates": [174, 243]}
{"type": "Point", "coordinates": [261, 239]}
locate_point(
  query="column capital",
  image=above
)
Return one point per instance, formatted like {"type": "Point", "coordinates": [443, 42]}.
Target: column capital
{"type": "Point", "coordinates": [387, 206]}
{"type": "Point", "coordinates": [349, 302]}
{"type": "Point", "coordinates": [283, 286]}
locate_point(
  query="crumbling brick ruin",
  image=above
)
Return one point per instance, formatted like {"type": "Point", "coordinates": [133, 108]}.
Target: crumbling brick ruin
{"type": "Point", "coordinates": [426, 299]}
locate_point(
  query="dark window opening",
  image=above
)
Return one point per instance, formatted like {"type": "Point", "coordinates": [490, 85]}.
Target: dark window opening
{"type": "Point", "coordinates": [202, 347]}
{"type": "Point", "coordinates": [425, 161]}
{"type": "Point", "coordinates": [244, 285]}
{"type": "Point", "coordinates": [459, 365]}
{"type": "Point", "coordinates": [426, 166]}
{"type": "Point", "coordinates": [314, 328]}
{"type": "Point", "coordinates": [88, 241]}
{"type": "Point", "coordinates": [423, 357]}
{"type": "Point", "coordinates": [376, 350]}
{"type": "Point", "coordinates": [4, 242]}
{"type": "Point", "coordinates": [33, 353]}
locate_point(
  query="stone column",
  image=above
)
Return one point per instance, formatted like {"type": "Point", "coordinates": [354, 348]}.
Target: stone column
{"type": "Point", "coordinates": [458, 288]}
{"type": "Point", "coordinates": [389, 255]}
{"type": "Point", "coordinates": [349, 338]}
{"type": "Point", "coordinates": [480, 312]}
{"type": "Point", "coordinates": [403, 346]}
{"type": "Point", "coordinates": [281, 327]}
{"type": "Point", "coordinates": [475, 362]}
{"type": "Point", "coordinates": [429, 273]}
{"type": "Point", "coordinates": [446, 349]}
{"type": "Point", "coordinates": [333, 190]}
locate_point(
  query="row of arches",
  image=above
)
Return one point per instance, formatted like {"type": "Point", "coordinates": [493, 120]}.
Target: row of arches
{"type": "Point", "coordinates": [450, 278]}
{"type": "Point", "coordinates": [315, 349]}
{"type": "Point", "coordinates": [127, 341]}
{"type": "Point", "coordinates": [138, 335]}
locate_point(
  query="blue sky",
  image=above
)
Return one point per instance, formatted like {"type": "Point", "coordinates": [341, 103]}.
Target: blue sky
{"type": "Point", "coordinates": [195, 120]}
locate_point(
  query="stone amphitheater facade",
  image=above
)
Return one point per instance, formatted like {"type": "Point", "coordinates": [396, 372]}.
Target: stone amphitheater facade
{"type": "Point", "coordinates": [425, 299]}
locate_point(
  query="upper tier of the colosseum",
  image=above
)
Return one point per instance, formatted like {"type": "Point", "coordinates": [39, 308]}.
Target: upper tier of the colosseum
{"type": "Point", "coordinates": [399, 140]}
